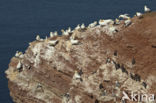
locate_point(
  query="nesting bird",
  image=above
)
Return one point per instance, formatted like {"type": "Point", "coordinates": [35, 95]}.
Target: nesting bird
{"type": "Point", "coordinates": [139, 15]}
{"type": "Point", "coordinates": [124, 16]}
{"type": "Point", "coordinates": [117, 21]}
{"type": "Point", "coordinates": [19, 65]}
{"type": "Point", "coordinates": [92, 24]}
{"type": "Point", "coordinates": [38, 38]}
{"type": "Point", "coordinates": [83, 26]}
{"type": "Point", "coordinates": [74, 42]}
{"type": "Point", "coordinates": [64, 32]}
{"type": "Point", "coordinates": [77, 75]}
{"type": "Point", "coordinates": [146, 9]}
{"type": "Point", "coordinates": [112, 29]}
{"type": "Point", "coordinates": [69, 30]}
{"type": "Point", "coordinates": [51, 34]}
{"type": "Point", "coordinates": [19, 54]}
{"type": "Point", "coordinates": [106, 22]}
{"type": "Point", "coordinates": [52, 42]}
{"type": "Point", "coordinates": [77, 27]}
{"type": "Point", "coordinates": [55, 33]}
{"type": "Point", "coordinates": [127, 22]}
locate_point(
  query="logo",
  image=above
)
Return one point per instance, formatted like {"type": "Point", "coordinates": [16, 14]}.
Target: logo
{"type": "Point", "coordinates": [138, 97]}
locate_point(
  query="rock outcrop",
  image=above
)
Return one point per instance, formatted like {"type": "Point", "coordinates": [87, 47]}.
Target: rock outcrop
{"type": "Point", "coordinates": [97, 69]}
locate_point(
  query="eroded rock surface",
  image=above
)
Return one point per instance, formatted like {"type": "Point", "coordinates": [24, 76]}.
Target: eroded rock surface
{"type": "Point", "coordinates": [108, 63]}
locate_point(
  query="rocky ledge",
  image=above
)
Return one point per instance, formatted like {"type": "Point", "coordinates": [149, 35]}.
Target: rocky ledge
{"type": "Point", "coordinates": [94, 64]}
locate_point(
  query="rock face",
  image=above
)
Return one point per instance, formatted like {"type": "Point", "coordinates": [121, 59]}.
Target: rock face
{"type": "Point", "coordinates": [96, 70]}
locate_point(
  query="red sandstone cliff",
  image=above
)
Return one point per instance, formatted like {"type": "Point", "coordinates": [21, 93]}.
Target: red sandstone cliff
{"type": "Point", "coordinates": [104, 61]}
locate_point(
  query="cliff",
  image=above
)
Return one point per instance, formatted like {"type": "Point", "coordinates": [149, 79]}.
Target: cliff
{"type": "Point", "coordinates": [97, 69]}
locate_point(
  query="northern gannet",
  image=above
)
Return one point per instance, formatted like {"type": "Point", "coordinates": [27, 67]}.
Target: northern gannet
{"type": "Point", "coordinates": [146, 9]}
{"type": "Point", "coordinates": [17, 54]}
{"type": "Point", "coordinates": [64, 32]}
{"type": "Point", "coordinates": [83, 26]}
{"type": "Point", "coordinates": [74, 42]}
{"type": "Point", "coordinates": [55, 33]}
{"type": "Point", "coordinates": [117, 21]}
{"type": "Point", "coordinates": [51, 34]}
{"type": "Point", "coordinates": [139, 15]}
{"type": "Point", "coordinates": [112, 29]}
{"type": "Point", "coordinates": [19, 65]}
{"type": "Point", "coordinates": [127, 22]}
{"type": "Point", "coordinates": [124, 16]}
{"type": "Point", "coordinates": [77, 75]}
{"type": "Point", "coordinates": [77, 27]}
{"type": "Point", "coordinates": [52, 42]}
{"type": "Point", "coordinates": [38, 38]}
{"type": "Point", "coordinates": [92, 24]}
{"type": "Point", "coordinates": [69, 30]}
{"type": "Point", "coordinates": [106, 22]}
{"type": "Point", "coordinates": [21, 55]}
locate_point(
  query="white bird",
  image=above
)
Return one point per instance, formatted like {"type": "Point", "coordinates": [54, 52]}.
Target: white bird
{"type": "Point", "coordinates": [117, 21]}
{"type": "Point", "coordinates": [21, 55]}
{"type": "Point", "coordinates": [139, 15]}
{"type": "Point", "coordinates": [52, 42]}
{"type": "Point", "coordinates": [146, 9]}
{"type": "Point", "coordinates": [74, 42]}
{"type": "Point", "coordinates": [112, 29]}
{"type": "Point", "coordinates": [82, 26]}
{"type": "Point", "coordinates": [77, 27]}
{"type": "Point", "coordinates": [17, 54]}
{"type": "Point", "coordinates": [92, 24]}
{"type": "Point", "coordinates": [69, 30]}
{"type": "Point", "coordinates": [51, 34]}
{"type": "Point", "coordinates": [77, 75]}
{"type": "Point", "coordinates": [19, 65]}
{"type": "Point", "coordinates": [38, 38]}
{"type": "Point", "coordinates": [124, 16]}
{"type": "Point", "coordinates": [106, 22]}
{"type": "Point", "coordinates": [127, 22]}
{"type": "Point", "coordinates": [55, 33]}
{"type": "Point", "coordinates": [64, 32]}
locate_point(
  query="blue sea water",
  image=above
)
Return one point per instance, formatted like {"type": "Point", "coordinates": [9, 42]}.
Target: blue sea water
{"type": "Point", "coordinates": [22, 20]}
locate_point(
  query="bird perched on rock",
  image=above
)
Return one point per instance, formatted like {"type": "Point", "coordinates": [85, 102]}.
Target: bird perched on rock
{"type": "Point", "coordinates": [77, 75]}
{"type": "Point", "coordinates": [127, 22]}
{"type": "Point", "coordinates": [64, 32]}
{"type": "Point", "coordinates": [124, 16]}
{"type": "Point", "coordinates": [55, 33]}
{"type": "Point", "coordinates": [83, 26]}
{"type": "Point", "coordinates": [19, 54]}
{"type": "Point", "coordinates": [51, 34]}
{"type": "Point", "coordinates": [139, 15]}
{"type": "Point", "coordinates": [19, 65]}
{"type": "Point", "coordinates": [117, 21]}
{"type": "Point", "coordinates": [106, 22]}
{"type": "Point", "coordinates": [146, 9]}
{"type": "Point", "coordinates": [77, 27]}
{"type": "Point", "coordinates": [92, 24]}
{"type": "Point", "coordinates": [69, 30]}
{"type": "Point", "coordinates": [38, 38]}
{"type": "Point", "coordinates": [74, 42]}
{"type": "Point", "coordinates": [52, 42]}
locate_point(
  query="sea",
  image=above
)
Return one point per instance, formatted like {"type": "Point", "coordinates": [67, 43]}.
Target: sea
{"type": "Point", "coordinates": [22, 20]}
